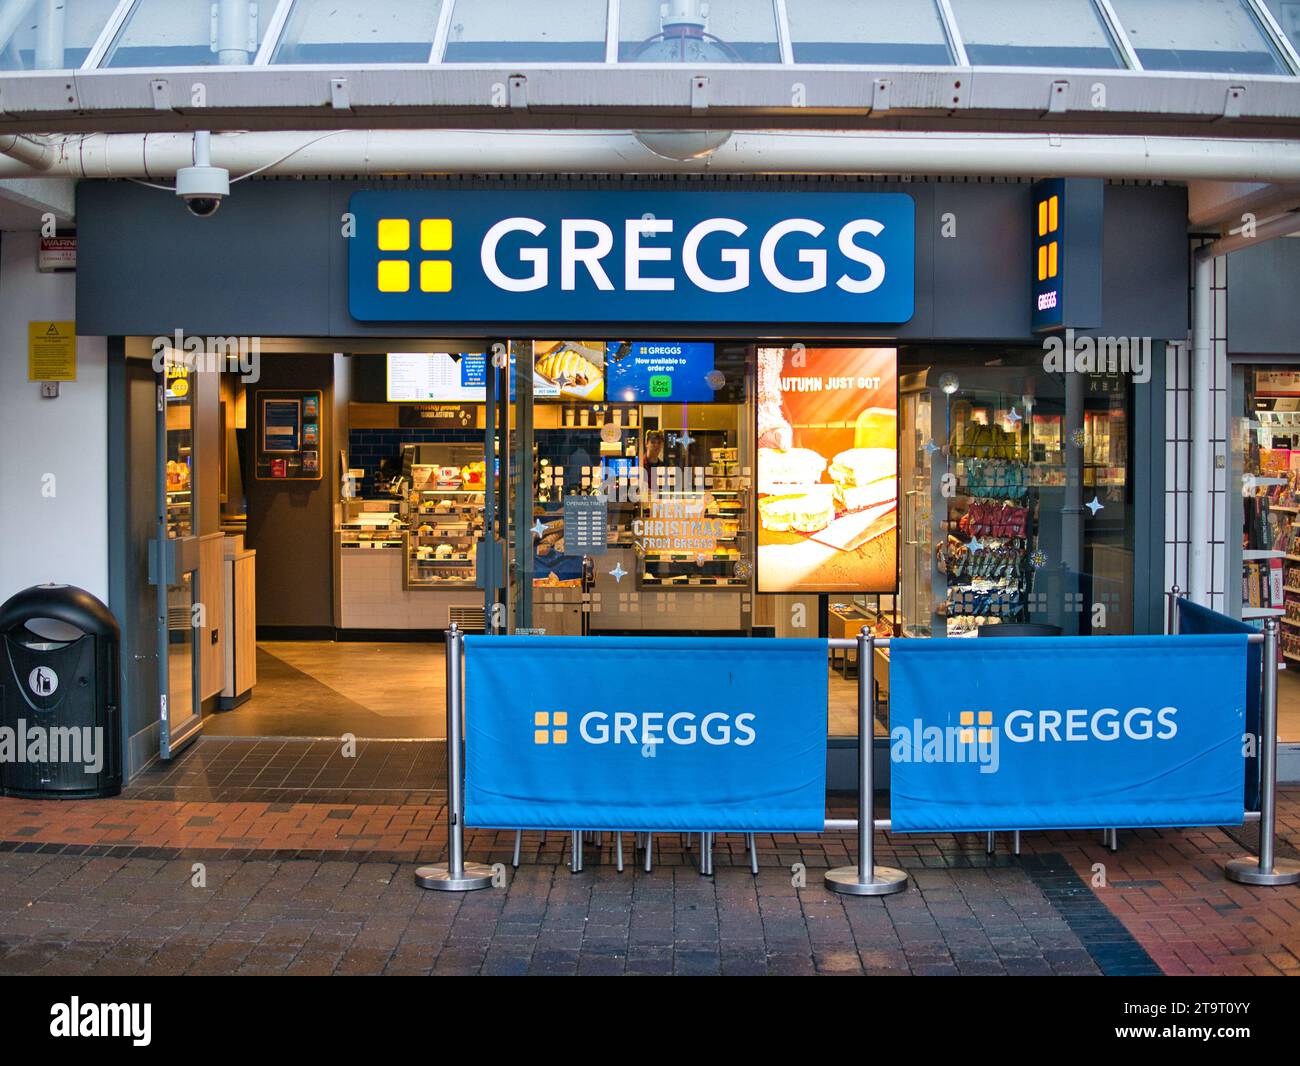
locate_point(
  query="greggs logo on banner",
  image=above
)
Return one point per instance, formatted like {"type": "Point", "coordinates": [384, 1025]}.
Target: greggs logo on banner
{"type": "Point", "coordinates": [552, 255]}
{"type": "Point", "coordinates": [1078, 733]}
{"type": "Point", "coordinates": [653, 733]}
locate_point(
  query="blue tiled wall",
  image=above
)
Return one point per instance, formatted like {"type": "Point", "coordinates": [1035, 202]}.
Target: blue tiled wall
{"type": "Point", "coordinates": [369, 448]}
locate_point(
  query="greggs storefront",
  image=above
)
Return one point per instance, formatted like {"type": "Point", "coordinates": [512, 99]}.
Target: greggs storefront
{"type": "Point", "coordinates": [760, 407]}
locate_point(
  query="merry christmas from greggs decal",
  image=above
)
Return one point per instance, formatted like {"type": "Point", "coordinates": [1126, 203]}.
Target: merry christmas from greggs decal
{"type": "Point", "coordinates": [827, 470]}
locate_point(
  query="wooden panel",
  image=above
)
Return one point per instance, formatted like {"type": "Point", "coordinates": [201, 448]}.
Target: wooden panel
{"type": "Point", "coordinates": [242, 625]}
{"type": "Point", "coordinates": [212, 592]}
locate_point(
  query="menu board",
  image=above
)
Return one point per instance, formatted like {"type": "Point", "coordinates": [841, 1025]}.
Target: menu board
{"type": "Point", "coordinates": [420, 377]}
{"type": "Point", "coordinates": [659, 372]}
{"type": "Point", "coordinates": [827, 470]}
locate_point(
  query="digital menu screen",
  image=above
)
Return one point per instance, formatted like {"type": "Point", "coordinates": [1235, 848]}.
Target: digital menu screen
{"type": "Point", "coordinates": [827, 470]}
{"type": "Point", "coordinates": [419, 377]}
{"type": "Point", "coordinates": [659, 372]}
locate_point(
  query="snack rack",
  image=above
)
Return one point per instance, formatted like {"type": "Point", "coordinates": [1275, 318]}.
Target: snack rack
{"type": "Point", "coordinates": [998, 509]}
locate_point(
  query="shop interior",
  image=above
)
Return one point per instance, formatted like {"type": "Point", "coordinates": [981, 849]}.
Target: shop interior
{"type": "Point", "coordinates": [1266, 459]}
{"type": "Point", "coordinates": [346, 504]}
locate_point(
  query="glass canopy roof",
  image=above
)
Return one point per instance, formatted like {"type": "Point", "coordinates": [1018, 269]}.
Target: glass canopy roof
{"type": "Point", "coordinates": [1257, 37]}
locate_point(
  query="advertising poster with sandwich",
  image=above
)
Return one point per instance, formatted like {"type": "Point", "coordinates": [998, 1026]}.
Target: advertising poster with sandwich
{"type": "Point", "coordinates": [570, 370]}
{"type": "Point", "coordinates": [827, 470]}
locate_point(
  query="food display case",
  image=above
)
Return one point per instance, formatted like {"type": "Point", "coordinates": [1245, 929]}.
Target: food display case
{"type": "Point", "coordinates": [696, 536]}
{"type": "Point", "coordinates": [444, 514]}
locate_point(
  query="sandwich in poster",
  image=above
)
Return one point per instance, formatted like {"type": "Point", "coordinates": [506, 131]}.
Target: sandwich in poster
{"type": "Point", "coordinates": [572, 370]}
{"type": "Point", "coordinates": [827, 470]}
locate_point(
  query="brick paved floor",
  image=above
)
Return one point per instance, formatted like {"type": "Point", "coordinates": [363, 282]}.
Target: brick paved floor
{"type": "Point", "coordinates": [316, 877]}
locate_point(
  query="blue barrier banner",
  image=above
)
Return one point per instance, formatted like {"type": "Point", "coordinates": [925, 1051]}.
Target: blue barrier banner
{"type": "Point", "coordinates": [1066, 732]}
{"type": "Point", "coordinates": [1193, 618]}
{"type": "Point", "coordinates": [645, 733]}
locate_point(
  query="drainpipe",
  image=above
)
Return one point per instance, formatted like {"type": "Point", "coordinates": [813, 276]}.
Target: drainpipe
{"type": "Point", "coordinates": [1202, 422]}
{"type": "Point", "coordinates": [50, 34]}
{"type": "Point", "coordinates": [234, 32]}
{"type": "Point", "coordinates": [1202, 472]}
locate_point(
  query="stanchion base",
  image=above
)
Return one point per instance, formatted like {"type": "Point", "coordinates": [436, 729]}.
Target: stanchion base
{"type": "Point", "coordinates": [475, 875]}
{"type": "Point", "coordinates": [1247, 871]}
{"type": "Point", "coordinates": [887, 881]}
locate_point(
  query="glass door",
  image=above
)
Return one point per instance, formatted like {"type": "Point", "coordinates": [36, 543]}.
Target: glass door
{"type": "Point", "coordinates": [174, 563]}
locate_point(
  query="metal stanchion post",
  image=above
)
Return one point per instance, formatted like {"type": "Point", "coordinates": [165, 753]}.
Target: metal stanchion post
{"type": "Point", "coordinates": [1268, 870]}
{"type": "Point", "coordinates": [1171, 616]}
{"type": "Point", "coordinates": [866, 879]}
{"type": "Point", "coordinates": [455, 875]}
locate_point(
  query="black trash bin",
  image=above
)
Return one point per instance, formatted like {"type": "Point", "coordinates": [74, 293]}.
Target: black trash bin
{"type": "Point", "coordinates": [60, 717]}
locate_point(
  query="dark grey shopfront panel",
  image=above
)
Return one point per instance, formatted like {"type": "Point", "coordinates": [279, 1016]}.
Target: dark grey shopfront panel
{"type": "Point", "coordinates": [1263, 312]}
{"type": "Point", "coordinates": [260, 266]}
{"type": "Point", "coordinates": [272, 262]}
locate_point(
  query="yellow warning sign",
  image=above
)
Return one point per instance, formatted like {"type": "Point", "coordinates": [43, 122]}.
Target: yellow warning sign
{"type": "Point", "coordinates": [51, 351]}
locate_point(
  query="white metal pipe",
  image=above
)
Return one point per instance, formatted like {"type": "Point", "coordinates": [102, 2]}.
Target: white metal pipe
{"type": "Point", "coordinates": [377, 152]}
{"type": "Point", "coordinates": [1280, 226]}
{"type": "Point", "coordinates": [51, 29]}
{"type": "Point", "coordinates": [1201, 430]}
{"type": "Point", "coordinates": [233, 19]}
{"type": "Point", "coordinates": [33, 153]}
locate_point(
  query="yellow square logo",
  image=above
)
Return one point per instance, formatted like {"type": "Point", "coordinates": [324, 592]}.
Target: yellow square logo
{"type": "Point", "coordinates": [394, 235]}
{"type": "Point", "coordinates": [435, 275]}
{"type": "Point", "coordinates": [541, 736]}
{"type": "Point", "coordinates": [394, 275]}
{"type": "Point", "coordinates": [435, 234]}
{"type": "Point", "coordinates": [560, 736]}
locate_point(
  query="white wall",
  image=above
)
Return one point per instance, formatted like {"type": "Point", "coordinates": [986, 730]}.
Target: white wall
{"type": "Point", "coordinates": [63, 537]}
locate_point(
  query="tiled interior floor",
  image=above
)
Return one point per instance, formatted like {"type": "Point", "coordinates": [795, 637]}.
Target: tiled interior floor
{"type": "Point", "coordinates": [384, 690]}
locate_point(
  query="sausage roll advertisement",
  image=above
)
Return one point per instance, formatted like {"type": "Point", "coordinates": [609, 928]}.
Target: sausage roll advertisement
{"type": "Point", "coordinates": [827, 470]}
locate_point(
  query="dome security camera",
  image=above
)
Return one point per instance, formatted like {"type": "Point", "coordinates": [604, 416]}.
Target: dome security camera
{"type": "Point", "coordinates": [202, 188]}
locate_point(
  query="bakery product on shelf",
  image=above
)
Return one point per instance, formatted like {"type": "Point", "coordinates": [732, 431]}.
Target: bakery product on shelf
{"type": "Point", "coordinates": [805, 511]}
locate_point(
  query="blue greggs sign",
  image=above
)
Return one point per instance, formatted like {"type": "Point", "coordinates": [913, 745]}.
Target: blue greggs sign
{"type": "Point", "coordinates": [645, 733]}
{"type": "Point", "coordinates": [1067, 733]}
{"type": "Point", "coordinates": [634, 257]}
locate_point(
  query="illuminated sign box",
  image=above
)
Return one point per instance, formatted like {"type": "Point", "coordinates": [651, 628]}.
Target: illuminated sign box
{"type": "Point", "coordinates": [1065, 265]}
{"type": "Point", "coordinates": [636, 257]}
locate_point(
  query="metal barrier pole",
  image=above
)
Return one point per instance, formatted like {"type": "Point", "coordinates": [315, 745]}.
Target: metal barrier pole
{"type": "Point", "coordinates": [1171, 615]}
{"type": "Point", "coordinates": [455, 875]}
{"type": "Point", "coordinates": [1268, 870]}
{"type": "Point", "coordinates": [866, 879]}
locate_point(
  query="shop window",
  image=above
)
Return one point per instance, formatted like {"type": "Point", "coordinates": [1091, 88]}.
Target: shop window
{"type": "Point", "coordinates": [182, 33]}
{"type": "Point", "coordinates": [54, 36]}
{"type": "Point", "coordinates": [1016, 495]}
{"type": "Point", "coordinates": [871, 32]}
{"type": "Point", "coordinates": [358, 31]}
{"type": "Point", "coordinates": [1029, 33]}
{"type": "Point", "coordinates": [493, 31]}
{"type": "Point", "coordinates": [697, 31]}
{"type": "Point", "coordinates": [1198, 35]}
